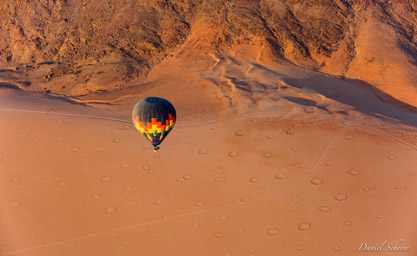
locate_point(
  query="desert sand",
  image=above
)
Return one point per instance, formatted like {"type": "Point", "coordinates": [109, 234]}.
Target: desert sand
{"type": "Point", "coordinates": [266, 158]}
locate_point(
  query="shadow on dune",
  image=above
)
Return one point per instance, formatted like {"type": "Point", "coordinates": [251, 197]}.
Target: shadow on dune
{"type": "Point", "coordinates": [23, 93]}
{"type": "Point", "coordinates": [67, 100]}
{"type": "Point", "coordinates": [362, 96]}
{"type": "Point", "coordinates": [9, 85]}
{"type": "Point", "coordinates": [302, 101]}
{"type": "Point", "coordinates": [17, 85]}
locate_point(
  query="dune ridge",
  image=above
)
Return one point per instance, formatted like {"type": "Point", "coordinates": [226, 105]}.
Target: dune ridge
{"type": "Point", "coordinates": [81, 47]}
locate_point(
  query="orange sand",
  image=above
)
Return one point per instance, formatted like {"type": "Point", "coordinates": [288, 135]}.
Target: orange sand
{"type": "Point", "coordinates": [265, 159]}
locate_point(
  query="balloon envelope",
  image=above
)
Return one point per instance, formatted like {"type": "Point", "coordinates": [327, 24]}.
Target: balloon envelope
{"type": "Point", "coordinates": [154, 117]}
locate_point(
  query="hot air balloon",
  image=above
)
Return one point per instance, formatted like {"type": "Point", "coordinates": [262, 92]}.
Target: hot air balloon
{"type": "Point", "coordinates": [154, 117]}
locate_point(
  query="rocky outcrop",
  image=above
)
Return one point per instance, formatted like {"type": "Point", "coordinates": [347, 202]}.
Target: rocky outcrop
{"type": "Point", "coordinates": [103, 45]}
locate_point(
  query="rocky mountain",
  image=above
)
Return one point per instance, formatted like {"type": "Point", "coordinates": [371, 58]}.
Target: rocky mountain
{"type": "Point", "coordinates": [77, 47]}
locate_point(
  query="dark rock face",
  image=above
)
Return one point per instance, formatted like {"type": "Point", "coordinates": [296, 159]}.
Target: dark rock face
{"type": "Point", "coordinates": [82, 37]}
{"type": "Point", "coordinates": [76, 34]}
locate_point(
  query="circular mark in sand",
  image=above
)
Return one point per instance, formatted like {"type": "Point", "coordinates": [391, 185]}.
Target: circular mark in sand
{"type": "Point", "coordinates": [397, 187]}
{"type": "Point", "coordinates": [198, 203]}
{"type": "Point", "coordinates": [14, 179]}
{"type": "Point", "coordinates": [244, 199]}
{"type": "Point", "coordinates": [301, 165]}
{"type": "Point", "coordinates": [324, 209]}
{"type": "Point", "coordinates": [223, 218]}
{"type": "Point", "coordinates": [62, 184]}
{"type": "Point", "coordinates": [233, 154]}
{"type": "Point", "coordinates": [96, 196]}
{"type": "Point", "coordinates": [349, 137]}
{"type": "Point", "coordinates": [156, 156]}
{"type": "Point", "coordinates": [347, 223]}
{"type": "Point", "coordinates": [5, 152]}
{"type": "Point", "coordinates": [337, 248]}
{"type": "Point", "coordinates": [300, 248]}
{"type": "Point", "coordinates": [353, 172]}
{"type": "Point", "coordinates": [260, 190]}
{"type": "Point", "coordinates": [340, 197]}
{"type": "Point", "coordinates": [124, 165]}
{"type": "Point", "coordinates": [202, 152]}
{"type": "Point", "coordinates": [157, 202]}
{"type": "Point", "coordinates": [253, 180]}
{"type": "Point", "coordinates": [120, 247]}
{"type": "Point", "coordinates": [267, 154]}
{"type": "Point", "coordinates": [22, 135]}
{"type": "Point", "coordinates": [327, 163]}
{"type": "Point", "coordinates": [76, 149]}
{"type": "Point", "coordinates": [124, 127]}
{"type": "Point", "coordinates": [68, 120]}
{"type": "Point", "coordinates": [272, 232]}
{"type": "Point", "coordinates": [146, 147]}
{"type": "Point", "coordinates": [213, 128]}
{"type": "Point", "coordinates": [366, 189]}
{"type": "Point", "coordinates": [150, 171]}
{"type": "Point", "coordinates": [296, 200]}
{"type": "Point", "coordinates": [127, 189]}
{"type": "Point", "coordinates": [110, 210]}
{"type": "Point", "coordinates": [378, 216]}
{"type": "Point", "coordinates": [15, 204]}
{"type": "Point", "coordinates": [133, 202]}
{"type": "Point", "coordinates": [239, 133]}
{"type": "Point", "coordinates": [316, 181]}
{"type": "Point", "coordinates": [116, 140]}
{"type": "Point", "coordinates": [310, 109]}
{"type": "Point", "coordinates": [248, 169]}
{"type": "Point", "coordinates": [220, 179]}
{"type": "Point", "coordinates": [218, 234]}
{"type": "Point", "coordinates": [270, 136]}
{"type": "Point", "coordinates": [281, 176]}
{"type": "Point", "coordinates": [294, 149]}
{"type": "Point", "coordinates": [392, 157]}
{"type": "Point", "coordinates": [304, 226]}
{"type": "Point", "coordinates": [105, 178]}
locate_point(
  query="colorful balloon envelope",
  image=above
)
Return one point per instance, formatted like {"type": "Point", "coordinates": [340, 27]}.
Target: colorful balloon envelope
{"type": "Point", "coordinates": [154, 117]}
